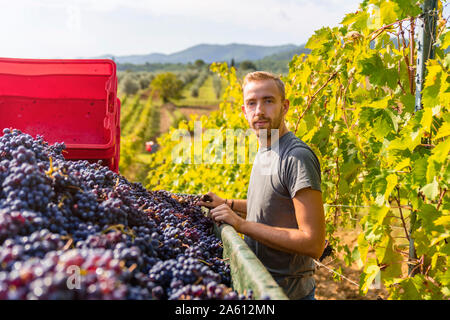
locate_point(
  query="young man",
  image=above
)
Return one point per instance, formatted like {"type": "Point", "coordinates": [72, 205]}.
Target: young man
{"type": "Point", "coordinates": [282, 219]}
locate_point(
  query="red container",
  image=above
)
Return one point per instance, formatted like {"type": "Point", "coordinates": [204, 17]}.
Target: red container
{"type": "Point", "coordinates": [70, 101]}
{"type": "Point", "coordinates": [148, 146]}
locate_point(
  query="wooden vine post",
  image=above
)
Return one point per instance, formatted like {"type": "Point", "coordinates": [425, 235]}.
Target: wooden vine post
{"type": "Point", "coordinates": [425, 39]}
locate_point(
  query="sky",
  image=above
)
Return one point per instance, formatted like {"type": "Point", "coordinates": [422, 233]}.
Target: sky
{"type": "Point", "coordinates": [83, 28]}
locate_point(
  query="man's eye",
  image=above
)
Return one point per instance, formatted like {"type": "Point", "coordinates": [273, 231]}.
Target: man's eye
{"type": "Point", "coordinates": [269, 100]}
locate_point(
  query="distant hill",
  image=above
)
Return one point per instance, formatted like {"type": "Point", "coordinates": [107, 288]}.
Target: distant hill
{"type": "Point", "coordinates": [211, 53]}
{"type": "Point", "coordinates": [279, 62]}
{"type": "Point", "coordinates": [287, 55]}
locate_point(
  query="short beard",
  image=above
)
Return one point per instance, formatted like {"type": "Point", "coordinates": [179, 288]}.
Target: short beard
{"type": "Point", "coordinates": [275, 124]}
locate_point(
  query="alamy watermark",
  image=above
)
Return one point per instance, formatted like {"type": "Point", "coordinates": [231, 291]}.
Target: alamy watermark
{"type": "Point", "coordinates": [226, 146]}
{"type": "Point", "coordinates": [74, 277]}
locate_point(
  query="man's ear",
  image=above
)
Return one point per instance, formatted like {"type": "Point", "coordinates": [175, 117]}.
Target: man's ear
{"type": "Point", "coordinates": [285, 106]}
{"type": "Point", "coordinates": [243, 110]}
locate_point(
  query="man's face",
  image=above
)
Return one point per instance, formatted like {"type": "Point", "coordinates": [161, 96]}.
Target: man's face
{"type": "Point", "coordinates": [263, 107]}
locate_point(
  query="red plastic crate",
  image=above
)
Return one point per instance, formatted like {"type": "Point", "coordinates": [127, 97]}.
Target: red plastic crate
{"type": "Point", "coordinates": [70, 101]}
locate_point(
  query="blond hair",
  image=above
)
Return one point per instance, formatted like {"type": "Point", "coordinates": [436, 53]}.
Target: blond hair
{"type": "Point", "coordinates": [263, 75]}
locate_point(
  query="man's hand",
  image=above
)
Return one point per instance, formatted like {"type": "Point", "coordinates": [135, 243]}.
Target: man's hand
{"type": "Point", "coordinates": [223, 214]}
{"type": "Point", "coordinates": [215, 200]}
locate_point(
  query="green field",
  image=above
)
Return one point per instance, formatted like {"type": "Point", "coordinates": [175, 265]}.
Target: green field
{"type": "Point", "coordinates": [206, 95]}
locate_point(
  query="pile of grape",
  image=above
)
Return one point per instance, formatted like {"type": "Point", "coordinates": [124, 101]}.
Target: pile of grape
{"type": "Point", "coordinates": [76, 230]}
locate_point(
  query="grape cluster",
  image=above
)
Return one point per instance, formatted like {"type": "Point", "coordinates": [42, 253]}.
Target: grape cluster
{"type": "Point", "coordinates": [76, 230]}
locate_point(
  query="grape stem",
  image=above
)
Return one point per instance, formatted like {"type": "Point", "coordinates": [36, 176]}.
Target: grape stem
{"type": "Point", "coordinates": [208, 264]}
{"type": "Point", "coordinates": [380, 30]}
{"type": "Point", "coordinates": [401, 213]}
{"type": "Point", "coordinates": [68, 244]}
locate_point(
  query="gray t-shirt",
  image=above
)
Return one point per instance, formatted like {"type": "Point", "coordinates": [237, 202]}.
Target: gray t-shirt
{"type": "Point", "coordinates": [278, 172]}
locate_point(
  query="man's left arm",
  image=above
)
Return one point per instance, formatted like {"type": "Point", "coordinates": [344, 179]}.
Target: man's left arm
{"type": "Point", "coordinates": [308, 239]}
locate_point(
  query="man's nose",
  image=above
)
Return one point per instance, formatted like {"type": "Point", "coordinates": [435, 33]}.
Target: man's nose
{"type": "Point", "coordinates": [259, 109]}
